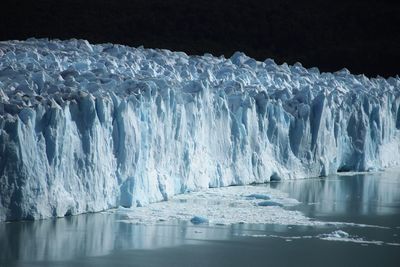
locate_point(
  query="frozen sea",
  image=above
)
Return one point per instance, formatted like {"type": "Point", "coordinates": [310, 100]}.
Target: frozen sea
{"type": "Point", "coordinates": [341, 220]}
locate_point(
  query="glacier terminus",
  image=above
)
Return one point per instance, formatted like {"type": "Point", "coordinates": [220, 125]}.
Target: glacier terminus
{"type": "Point", "coordinates": [85, 128]}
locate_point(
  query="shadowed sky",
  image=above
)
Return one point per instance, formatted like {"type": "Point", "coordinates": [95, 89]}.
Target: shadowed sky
{"type": "Point", "coordinates": [362, 36]}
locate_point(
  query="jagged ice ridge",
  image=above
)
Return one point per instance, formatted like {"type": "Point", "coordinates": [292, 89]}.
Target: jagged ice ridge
{"type": "Point", "coordinates": [85, 128]}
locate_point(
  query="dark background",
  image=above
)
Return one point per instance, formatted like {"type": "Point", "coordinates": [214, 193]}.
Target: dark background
{"type": "Point", "coordinates": [360, 35]}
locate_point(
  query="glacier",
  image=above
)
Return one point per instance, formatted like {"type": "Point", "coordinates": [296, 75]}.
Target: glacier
{"type": "Point", "coordinates": [85, 128]}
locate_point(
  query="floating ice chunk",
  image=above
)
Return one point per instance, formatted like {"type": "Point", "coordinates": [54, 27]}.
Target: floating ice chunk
{"type": "Point", "coordinates": [259, 196]}
{"type": "Point", "coordinates": [198, 220]}
{"type": "Point", "coordinates": [343, 236]}
{"type": "Point", "coordinates": [269, 203]}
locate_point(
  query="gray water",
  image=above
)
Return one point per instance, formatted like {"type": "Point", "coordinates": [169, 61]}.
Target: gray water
{"type": "Point", "coordinates": [102, 240]}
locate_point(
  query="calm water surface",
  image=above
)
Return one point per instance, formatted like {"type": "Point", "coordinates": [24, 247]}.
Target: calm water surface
{"type": "Point", "coordinates": [102, 240]}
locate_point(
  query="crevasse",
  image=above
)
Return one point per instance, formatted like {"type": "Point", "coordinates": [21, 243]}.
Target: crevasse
{"type": "Point", "coordinates": [85, 128]}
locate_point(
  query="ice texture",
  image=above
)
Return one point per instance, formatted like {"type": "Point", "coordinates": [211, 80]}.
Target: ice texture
{"type": "Point", "coordinates": [85, 128]}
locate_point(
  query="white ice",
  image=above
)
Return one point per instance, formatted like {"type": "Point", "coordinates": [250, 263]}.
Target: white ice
{"type": "Point", "coordinates": [85, 128]}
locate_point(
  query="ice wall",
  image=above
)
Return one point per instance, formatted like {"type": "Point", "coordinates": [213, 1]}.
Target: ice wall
{"type": "Point", "coordinates": [89, 127]}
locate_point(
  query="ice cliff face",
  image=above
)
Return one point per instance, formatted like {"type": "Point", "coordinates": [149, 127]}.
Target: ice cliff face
{"type": "Point", "coordinates": [90, 127]}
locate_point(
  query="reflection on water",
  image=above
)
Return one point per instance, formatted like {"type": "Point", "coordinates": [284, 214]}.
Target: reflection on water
{"type": "Point", "coordinates": [101, 234]}
{"type": "Point", "coordinates": [359, 194]}
{"type": "Point", "coordinates": [86, 235]}
{"type": "Point", "coordinates": [57, 239]}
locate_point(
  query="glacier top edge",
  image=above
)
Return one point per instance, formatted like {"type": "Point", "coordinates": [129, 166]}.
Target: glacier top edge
{"type": "Point", "coordinates": [36, 70]}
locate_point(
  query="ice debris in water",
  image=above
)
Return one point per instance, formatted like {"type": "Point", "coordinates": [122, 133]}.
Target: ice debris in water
{"type": "Point", "coordinates": [225, 206]}
{"type": "Point", "coordinates": [219, 206]}
{"type": "Point", "coordinates": [339, 234]}
{"type": "Point", "coordinates": [85, 128]}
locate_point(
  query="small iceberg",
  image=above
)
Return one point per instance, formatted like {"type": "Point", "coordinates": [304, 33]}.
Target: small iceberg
{"type": "Point", "coordinates": [258, 196]}
{"type": "Point", "coordinates": [269, 203]}
{"type": "Point", "coordinates": [198, 220]}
